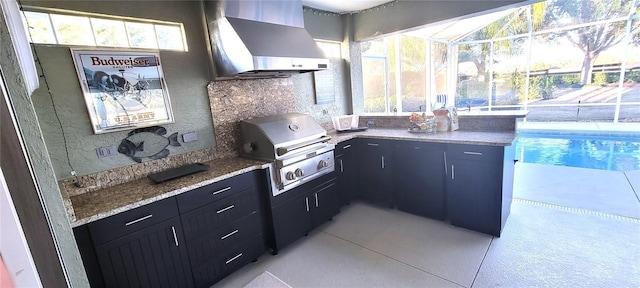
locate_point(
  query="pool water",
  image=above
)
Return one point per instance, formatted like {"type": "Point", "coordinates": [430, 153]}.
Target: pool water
{"type": "Point", "coordinates": [586, 151]}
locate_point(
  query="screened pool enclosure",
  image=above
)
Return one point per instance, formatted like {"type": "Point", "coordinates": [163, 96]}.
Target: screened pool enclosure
{"type": "Point", "coordinates": [563, 60]}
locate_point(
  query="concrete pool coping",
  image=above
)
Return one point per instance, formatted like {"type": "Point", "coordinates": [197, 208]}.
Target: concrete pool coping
{"type": "Point", "coordinates": [588, 128]}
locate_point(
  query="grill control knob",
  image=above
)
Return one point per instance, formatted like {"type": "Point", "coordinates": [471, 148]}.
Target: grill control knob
{"type": "Point", "coordinates": [290, 176]}
{"type": "Point", "coordinates": [299, 172]}
{"type": "Point", "coordinates": [322, 164]}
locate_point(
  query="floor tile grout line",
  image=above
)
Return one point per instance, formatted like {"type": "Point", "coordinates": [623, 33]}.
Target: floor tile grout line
{"type": "Point", "coordinates": [576, 210]}
{"type": "Point", "coordinates": [482, 262]}
{"type": "Point", "coordinates": [632, 188]}
{"type": "Point", "coordinates": [394, 259]}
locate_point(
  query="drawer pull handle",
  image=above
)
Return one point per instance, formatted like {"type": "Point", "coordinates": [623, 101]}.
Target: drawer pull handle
{"type": "Point", "coordinates": [473, 153]}
{"type": "Point", "coordinates": [138, 220]}
{"type": "Point", "coordinates": [234, 258]}
{"type": "Point", "coordinates": [373, 144]}
{"type": "Point", "coordinates": [453, 172]}
{"type": "Point", "coordinates": [346, 146]}
{"type": "Point", "coordinates": [225, 209]}
{"type": "Point", "coordinates": [175, 237]}
{"type": "Point", "coordinates": [229, 235]}
{"type": "Point", "coordinates": [221, 190]}
{"type": "Point", "coordinates": [444, 156]}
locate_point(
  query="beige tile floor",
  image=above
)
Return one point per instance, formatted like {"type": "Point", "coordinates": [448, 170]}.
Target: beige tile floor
{"type": "Point", "coordinates": [590, 237]}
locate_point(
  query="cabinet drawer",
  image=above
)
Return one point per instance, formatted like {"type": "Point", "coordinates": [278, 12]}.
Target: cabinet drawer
{"type": "Point", "coordinates": [204, 195]}
{"type": "Point", "coordinates": [204, 248]}
{"type": "Point", "coordinates": [370, 142]}
{"type": "Point", "coordinates": [476, 152]}
{"type": "Point", "coordinates": [133, 220]}
{"type": "Point", "coordinates": [213, 216]}
{"type": "Point", "coordinates": [344, 147]}
{"type": "Point", "coordinates": [229, 261]}
{"type": "Point", "coordinates": [420, 148]}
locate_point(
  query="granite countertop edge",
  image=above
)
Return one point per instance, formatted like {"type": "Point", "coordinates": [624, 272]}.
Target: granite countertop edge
{"type": "Point", "coordinates": [107, 211]}
{"type": "Point", "coordinates": [493, 138]}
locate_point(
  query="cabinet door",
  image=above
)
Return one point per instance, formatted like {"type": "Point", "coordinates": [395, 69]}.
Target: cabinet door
{"type": "Point", "coordinates": [474, 191]}
{"type": "Point", "coordinates": [374, 179]}
{"type": "Point", "coordinates": [227, 261]}
{"type": "Point", "coordinates": [346, 171]}
{"type": "Point", "coordinates": [291, 220]}
{"type": "Point", "coordinates": [152, 257]}
{"type": "Point", "coordinates": [325, 203]}
{"type": "Point", "coordinates": [419, 176]}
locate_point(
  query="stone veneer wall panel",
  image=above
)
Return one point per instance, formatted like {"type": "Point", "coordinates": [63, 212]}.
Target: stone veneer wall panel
{"type": "Point", "coordinates": [235, 100]}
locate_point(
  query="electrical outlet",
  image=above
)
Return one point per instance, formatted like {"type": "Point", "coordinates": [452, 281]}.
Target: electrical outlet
{"type": "Point", "coordinates": [107, 151]}
{"type": "Point", "coordinates": [189, 137]}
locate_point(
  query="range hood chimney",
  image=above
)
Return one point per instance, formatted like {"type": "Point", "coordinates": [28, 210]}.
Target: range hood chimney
{"type": "Point", "coordinates": [261, 39]}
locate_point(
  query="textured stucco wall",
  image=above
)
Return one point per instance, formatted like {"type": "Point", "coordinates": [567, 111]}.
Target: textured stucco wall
{"type": "Point", "coordinates": [325, 26]}
{"type": "Point", "coordinates": [186, 75]}
{"type": "Point", "coordinates": [306, 98]}
{"type": "Point", "coordinates": [355, 69]}
{"type": "Point", "coordinates": [406, 14]}
{"type": "Point", "coordinates": [38, 155]}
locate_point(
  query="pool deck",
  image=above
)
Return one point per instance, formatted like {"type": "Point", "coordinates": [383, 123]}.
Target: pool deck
{"type": "Point", "coordinates": [591, 128]}
{"type": "Point", "coordinates": [601, 191]}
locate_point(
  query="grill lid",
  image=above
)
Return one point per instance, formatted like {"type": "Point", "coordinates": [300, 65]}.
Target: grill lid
{"type": "Point", "coordinates": [272, 137]}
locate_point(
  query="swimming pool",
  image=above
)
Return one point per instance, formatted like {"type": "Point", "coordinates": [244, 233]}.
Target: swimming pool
{"type": "Point", "coordinates": [616, 153]}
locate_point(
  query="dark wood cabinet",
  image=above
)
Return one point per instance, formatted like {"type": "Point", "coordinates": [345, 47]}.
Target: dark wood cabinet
{"type": "Point", "coordinates": [291, 221]}
{"type": "Point", "coordinates": [155, 256]}
{"type": "Point", "coordinates": [325, 203]}
{"type": "Point", "coordinates": [228, 261]}
{"type": "Point", "coordinates": [419, 177]}
{"type": "Point", "coordinates": [346, 171]}
{"type": "Point", "coordinates": [299, 210]}
{"type": "Point", "coordinates": [142, 247]}
{"type": "Point", "coordinates": [374, 178]}
{"type": "Point", "coordinates": [192, 240]}
{"type": "Point", "coordinates": [479, 186]}
{"type": "Point", "coordinates": [229, 224]}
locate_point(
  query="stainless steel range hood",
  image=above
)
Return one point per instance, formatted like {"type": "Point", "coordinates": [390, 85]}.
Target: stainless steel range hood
{"type": "Point", "coordinates": [260, 39]}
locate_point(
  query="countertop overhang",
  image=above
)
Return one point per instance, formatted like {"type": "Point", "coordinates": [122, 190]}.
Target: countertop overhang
{"type": "Point", "coordinates": [491, 138]}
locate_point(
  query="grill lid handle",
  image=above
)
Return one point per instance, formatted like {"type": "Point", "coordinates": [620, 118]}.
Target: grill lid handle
{"type": "Point", "coordinates": [284, 150]}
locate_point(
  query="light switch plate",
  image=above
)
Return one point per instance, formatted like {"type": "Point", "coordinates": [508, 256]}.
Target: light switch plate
{"type": "Point", "coordinates": [189, 137]}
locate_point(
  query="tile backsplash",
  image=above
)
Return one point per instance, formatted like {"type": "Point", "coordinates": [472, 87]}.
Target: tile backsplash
{"type": "Point", "coordinates": [235, 100]}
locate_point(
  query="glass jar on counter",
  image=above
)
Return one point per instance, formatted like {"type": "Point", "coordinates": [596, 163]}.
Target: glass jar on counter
{"type": "Point", "coordinates": [441, 120]}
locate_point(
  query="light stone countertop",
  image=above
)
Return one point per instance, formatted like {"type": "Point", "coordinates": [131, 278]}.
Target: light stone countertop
{"type": "Point", "coordinates": [96, 205]}
{"type": "Point", "coordinates": [501, 138]}
{"type": "Point", "coordinates": [103, 203]}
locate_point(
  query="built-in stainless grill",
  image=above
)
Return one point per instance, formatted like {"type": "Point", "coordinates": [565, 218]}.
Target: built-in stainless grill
{"type": "Point", "coordinates": [296, 145]}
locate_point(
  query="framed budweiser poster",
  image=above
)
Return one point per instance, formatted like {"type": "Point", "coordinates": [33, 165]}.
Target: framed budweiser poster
{"type": "Point", "coordinates": [123, 89]}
